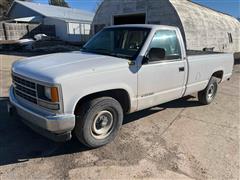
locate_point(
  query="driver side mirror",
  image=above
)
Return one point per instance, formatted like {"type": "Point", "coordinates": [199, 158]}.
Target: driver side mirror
{"type": "Point", "coordinates": [156, 54]}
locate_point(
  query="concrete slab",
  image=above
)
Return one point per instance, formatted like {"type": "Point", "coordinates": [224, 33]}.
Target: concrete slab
{"type": "Point", "coordinates": [176, 140]}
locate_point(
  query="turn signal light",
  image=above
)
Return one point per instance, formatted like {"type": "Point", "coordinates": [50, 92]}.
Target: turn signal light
{"type": "Point", "coordinates": [54, 94]}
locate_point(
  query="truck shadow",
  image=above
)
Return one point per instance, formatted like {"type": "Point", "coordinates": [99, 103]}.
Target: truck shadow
{"type": "Point", "coordinates": [180, 103]}
{"type": "Point", "coordinates": [19, 144]}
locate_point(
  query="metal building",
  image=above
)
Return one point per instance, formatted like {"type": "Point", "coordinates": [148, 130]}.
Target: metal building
{"type": "Point", "coordinates": [201, 27]}
{"type": "Point", "coordinates": [70, 24]}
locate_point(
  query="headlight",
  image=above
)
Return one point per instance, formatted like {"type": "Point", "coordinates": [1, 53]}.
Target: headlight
{"type": "Point", "coordinates": [51, 93]}
{"type": "Point", "coordinates": [48, 97]}
{"type": "Point", "coordinates": [47, 93]}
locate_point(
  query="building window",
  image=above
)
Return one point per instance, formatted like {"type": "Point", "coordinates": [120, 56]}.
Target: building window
{"type": "Point", "coordinates": [73, 28]}
{"type": "Point", "coordinates": [230, 38]}
{"type": "Point", "coordinates": [77, 28]}
{"type": "Point", "coordinates": [85, 29]}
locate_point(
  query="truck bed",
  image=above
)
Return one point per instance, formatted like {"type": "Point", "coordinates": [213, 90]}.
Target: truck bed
{"type": "Point", "coordinates": [198, 52]}
{"type": "Point", "coordinates": [203, 64]}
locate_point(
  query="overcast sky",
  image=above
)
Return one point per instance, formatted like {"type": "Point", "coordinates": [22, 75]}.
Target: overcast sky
{"type": "Point", "coordinates": [231, 7]}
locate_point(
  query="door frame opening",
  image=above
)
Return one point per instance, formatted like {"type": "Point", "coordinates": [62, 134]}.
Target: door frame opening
{"type": "Point", "coordinates": [140, 14]}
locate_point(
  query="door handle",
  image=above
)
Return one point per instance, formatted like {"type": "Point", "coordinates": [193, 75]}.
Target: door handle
{"type": "Point", "coordinates": [181, 69]}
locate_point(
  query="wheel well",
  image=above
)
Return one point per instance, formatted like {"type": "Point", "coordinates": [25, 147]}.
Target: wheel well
{"type": "Point", "coordinates": [120, 95]}
{"type": "Point", "coordinates": [218, 74]}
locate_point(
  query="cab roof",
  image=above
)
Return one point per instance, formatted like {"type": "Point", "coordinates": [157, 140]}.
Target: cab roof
{"type": "Point", "coordinates": [150, 26]}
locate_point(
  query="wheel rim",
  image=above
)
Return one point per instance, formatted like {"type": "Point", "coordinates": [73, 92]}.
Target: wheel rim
{"type": "Point", "coordinates": [211, 92]}
{"type": "Point", "coordinates": [102, 124]}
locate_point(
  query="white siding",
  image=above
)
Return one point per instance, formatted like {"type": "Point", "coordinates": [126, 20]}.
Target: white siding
{"type": "Point", "coordinates": [60, 26]}
{"type": "Point", "coordinates": [70, 31]}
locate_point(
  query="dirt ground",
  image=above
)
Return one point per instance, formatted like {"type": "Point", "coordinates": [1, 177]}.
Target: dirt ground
{"type": "Point", "coordinates": [176, 140]}
{"type": "Point", "coordinates": [6, 61]}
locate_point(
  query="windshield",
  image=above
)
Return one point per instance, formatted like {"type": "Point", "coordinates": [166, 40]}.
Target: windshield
{"type": "Point", "coordinates": [124, 42]}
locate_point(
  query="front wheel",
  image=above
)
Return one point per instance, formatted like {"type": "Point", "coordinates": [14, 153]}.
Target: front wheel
{"type": "Point", "coordinates": [99, 121]}
{"type": "Point", "coordinates": [209, 93]}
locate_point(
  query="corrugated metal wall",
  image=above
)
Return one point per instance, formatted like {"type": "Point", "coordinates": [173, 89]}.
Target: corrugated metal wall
{"type": "Point", "coordinates": [201, 27]}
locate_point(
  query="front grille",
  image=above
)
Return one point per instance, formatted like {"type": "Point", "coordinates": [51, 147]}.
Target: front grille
{"type": "Point", "coordinates": [24, 82]}
{"type": "Point", "coordinates": [25, 89]}
{"type": "Point", "coordinates": [24, 96]}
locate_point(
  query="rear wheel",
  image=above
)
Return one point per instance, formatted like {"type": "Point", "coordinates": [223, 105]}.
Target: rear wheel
{"type": "Point", "coordinates": [99, 121]}
{"type": "Point", "coordinates": [209, 93]}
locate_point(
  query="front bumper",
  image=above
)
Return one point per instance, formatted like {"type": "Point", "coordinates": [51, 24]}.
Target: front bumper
{"type": "Point", "coordinates": [54, 127]}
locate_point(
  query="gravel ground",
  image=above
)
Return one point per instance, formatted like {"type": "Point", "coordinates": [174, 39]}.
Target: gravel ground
{"type": "Point", "coordinates": [176, 140]}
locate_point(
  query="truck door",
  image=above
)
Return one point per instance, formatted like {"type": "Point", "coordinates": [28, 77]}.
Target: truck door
{"type": "Point", "coordinates": [162, 80]}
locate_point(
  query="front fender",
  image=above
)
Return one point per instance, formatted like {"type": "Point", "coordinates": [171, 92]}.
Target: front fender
{"type": "Point", "coordinates": [71, 100]}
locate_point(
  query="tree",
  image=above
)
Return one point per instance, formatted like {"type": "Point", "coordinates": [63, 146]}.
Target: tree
{"type": "Point", "coordinates": [58, 3]}
{"type": "Point", "coordinates": [4, 7]}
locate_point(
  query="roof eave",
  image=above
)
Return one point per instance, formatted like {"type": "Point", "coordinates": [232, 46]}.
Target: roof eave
{"type": "Point", "coordinates": [69, 20]}
{"type": "Point", "coordinates": [10, 8]}
{"type": "Point", "coordinates": [15, 1]}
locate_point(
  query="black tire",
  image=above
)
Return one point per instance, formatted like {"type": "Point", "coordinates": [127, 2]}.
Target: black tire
{"type": "Point", "coordinates": [102, 113]}
{"type": "Point", "coordinates": [207, 96]}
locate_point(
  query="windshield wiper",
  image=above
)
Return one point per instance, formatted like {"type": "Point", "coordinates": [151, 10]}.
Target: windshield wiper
{"type": "Point", "coordinates": [122, 55]}
{"type": "Point", "coordinates": [97, 50]}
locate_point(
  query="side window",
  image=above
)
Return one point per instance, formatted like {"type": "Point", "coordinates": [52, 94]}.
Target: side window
{"type": "Point", "coordinates": [167, 40]}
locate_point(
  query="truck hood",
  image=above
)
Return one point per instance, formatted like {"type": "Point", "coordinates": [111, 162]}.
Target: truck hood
{"type": "Point", "coordinates": [51, 68]}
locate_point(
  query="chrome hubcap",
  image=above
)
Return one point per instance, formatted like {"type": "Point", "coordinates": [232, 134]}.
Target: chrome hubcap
{"type": "Point", "coordinates": [211, 92]}
{"type": "Point", "coordinates": [102, 124]}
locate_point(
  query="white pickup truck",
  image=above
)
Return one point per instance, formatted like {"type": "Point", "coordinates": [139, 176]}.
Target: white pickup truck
{"type": "Point", "coordinates": [122, 69]}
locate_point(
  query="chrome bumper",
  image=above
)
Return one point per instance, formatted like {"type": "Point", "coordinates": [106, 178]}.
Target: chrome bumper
{"type": "Point", "coordinates": [55, 127]}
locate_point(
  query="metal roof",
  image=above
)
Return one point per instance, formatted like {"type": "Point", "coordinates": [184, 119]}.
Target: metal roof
{"type": "Point", "coordinates": [210, 8]}
{"type": "Point", "coordinates": [56, 11]}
